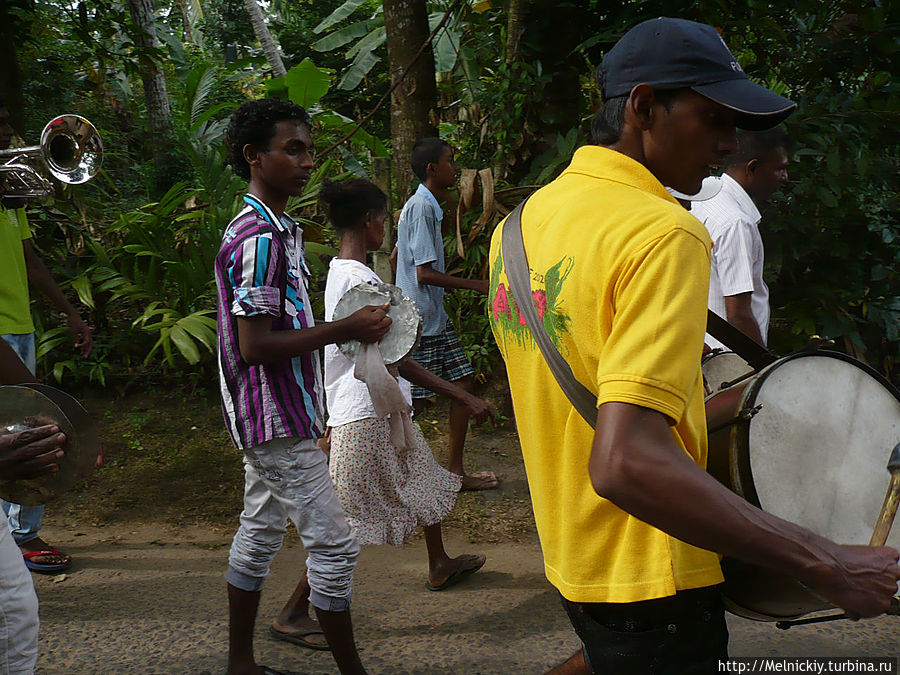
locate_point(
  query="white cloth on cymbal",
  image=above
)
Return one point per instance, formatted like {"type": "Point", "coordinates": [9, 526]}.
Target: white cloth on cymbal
{"type": "Point", "coordinates": [387, 397]}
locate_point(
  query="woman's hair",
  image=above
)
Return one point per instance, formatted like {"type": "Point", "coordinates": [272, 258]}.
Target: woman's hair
{"type": "Point", "coordinates": [350, 201]}
{"type": "Point", "coordinates": [254, 124]}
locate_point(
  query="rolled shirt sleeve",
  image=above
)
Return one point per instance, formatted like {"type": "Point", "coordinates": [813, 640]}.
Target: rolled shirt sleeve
{"type": "Point", "coordinates": [251, 273]}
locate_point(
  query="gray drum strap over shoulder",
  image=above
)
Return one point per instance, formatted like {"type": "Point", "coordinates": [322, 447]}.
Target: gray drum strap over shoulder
{"type": "Point", "coordinates": [516, 263]}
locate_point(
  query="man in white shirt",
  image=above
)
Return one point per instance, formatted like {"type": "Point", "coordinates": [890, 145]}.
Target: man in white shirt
{"type": "Point", "coordinates": [737, 291]}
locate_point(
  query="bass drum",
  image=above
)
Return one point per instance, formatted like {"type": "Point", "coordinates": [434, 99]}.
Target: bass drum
{"type": "Point", "coordinates": [721, 367]}
{"type": "Point", "coordinates": [806, 439]}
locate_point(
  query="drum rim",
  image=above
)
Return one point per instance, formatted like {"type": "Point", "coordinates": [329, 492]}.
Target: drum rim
{"type": "Point", "coordinates": [764, 374]}
{"type": "Point", "coordinates": [740, 449]}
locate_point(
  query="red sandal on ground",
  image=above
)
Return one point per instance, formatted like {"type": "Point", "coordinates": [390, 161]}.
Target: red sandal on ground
{"type": "Point", "coordinates": [46, 568]}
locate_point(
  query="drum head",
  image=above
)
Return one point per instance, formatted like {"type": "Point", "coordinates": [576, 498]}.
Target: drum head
{"type": "Point", "coordinates": [405, 331]}
{"type": "Point", "coordinates": [81, 447]}
{"type": "Point", "coordinates": [820, 444]}
{"type": "Point", "coordinates": [721, 367]}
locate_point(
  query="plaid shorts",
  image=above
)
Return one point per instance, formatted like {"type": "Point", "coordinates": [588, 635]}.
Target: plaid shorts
{"type": "Point", "coordinates": [443, 356]}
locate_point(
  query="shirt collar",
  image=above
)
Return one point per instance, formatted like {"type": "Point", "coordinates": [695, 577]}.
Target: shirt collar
{"type": "Point", "coordinates": [284, 224]}
{"type": "Point", "coordinates": [429, 196]}
{"type": "Point", "coordinates": [740, 196]}
{"type": "Point", "coordinates": [600, 162]}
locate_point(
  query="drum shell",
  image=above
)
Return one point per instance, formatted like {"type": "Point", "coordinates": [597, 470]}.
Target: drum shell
{"type": "Point", "coordinates": [721, 368]}
{"type": "Point", "coordinates": [750, 591]}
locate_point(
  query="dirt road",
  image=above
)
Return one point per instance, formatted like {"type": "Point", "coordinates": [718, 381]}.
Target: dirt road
{"type": "Point", "coordinates": [146, 595]}
{"type": "Point", "coordinates": [151, 600]}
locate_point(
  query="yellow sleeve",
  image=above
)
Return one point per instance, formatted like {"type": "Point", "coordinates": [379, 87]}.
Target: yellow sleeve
{"type": "Point", "coordinates": [24, 229]}
{"type": "Point", "coordinates": [652, 355]}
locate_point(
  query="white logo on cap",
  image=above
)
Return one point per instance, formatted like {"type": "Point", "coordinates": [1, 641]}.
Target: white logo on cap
{"type": "Point", "coordinates": [736, 67]}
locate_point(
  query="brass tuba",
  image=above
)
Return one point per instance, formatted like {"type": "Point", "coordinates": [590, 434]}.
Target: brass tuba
{"type": "Point", "coordinates": [70, 147]}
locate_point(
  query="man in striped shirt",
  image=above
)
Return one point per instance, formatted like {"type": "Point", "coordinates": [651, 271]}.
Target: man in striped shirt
{"type": "Point", "coordinates": [272, 392]}
{"type": "Point", "coordinates": [737, 291]}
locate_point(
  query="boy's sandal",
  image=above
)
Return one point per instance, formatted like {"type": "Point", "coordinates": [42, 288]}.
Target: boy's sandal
{"type": "Point", "coordinates": [46, 568]}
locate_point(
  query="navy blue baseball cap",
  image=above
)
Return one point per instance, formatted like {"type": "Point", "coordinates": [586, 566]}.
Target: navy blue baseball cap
{"type": "Point", "coordinates": [676, 53]}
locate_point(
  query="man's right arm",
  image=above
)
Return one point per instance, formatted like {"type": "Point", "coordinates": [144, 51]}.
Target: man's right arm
{"type": "Point", "coordinates": [740, 315]}
{"type": "Point", "coordinates": [636, 464]}
{"type": "Point", "coordinates": [732, 253]}
{"type": "Point", "coordinates": [426, 274]}
{"type": "Point", "coordinates": [421, 225]}
{"type": "Point", "coordinates": [647, 384]}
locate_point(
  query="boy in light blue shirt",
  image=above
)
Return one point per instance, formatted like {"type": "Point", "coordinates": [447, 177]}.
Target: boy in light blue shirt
{"type": "Point", "coordinates": [421, 273]}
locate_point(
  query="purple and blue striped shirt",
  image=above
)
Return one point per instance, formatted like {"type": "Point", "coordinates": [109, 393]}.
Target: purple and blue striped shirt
{"type": "Point", "coordinates": [261, 269]}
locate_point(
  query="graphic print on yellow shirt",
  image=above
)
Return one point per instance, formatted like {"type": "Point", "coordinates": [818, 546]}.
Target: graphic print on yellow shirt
{"type": "Point", "coordinates": [509, 322]}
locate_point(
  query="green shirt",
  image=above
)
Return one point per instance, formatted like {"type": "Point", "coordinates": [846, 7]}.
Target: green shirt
{"type": "Point", "coordinates": [15, 307]}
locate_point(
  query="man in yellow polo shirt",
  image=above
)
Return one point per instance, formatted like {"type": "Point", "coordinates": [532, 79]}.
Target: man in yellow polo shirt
{"type": "Point", "coordinates": [628, 518]}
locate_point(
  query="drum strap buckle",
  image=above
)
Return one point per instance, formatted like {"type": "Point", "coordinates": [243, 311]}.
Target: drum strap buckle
{"type": "Point", "coordinates": [743, 417]}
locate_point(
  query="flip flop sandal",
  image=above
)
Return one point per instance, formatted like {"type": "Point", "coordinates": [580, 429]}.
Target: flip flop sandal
{"type": "Point", "coordinates": [297, 638]}
{"type": "Point", "coordinates": [45, 568]}
{"type": "Point", "coordinates": [460, 574]}
{"type": "Point", "coordinates": [487, 480]}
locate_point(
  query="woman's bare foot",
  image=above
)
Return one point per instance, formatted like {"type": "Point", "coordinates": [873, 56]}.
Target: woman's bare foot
{"type": "Point", "coordinates": [483, 480]}
{"type": "Point", "coordinates": [453, 570]}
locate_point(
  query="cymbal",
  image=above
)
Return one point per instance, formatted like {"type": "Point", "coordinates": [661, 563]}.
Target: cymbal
{"type": "Point", "coordinates": [81, 448]}
{"type": "Point", "coordinates": [406, 320]}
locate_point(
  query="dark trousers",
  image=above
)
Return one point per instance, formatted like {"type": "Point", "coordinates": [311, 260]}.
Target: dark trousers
{"type": "Point", "coordinates": [683, 634]}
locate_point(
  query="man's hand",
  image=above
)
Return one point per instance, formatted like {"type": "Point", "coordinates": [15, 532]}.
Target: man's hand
{"type": "Point", "coordinates": [31, 453]}
{"type": "Point", "coordinates": [862, 581]}
{"type": "Point", "coordinates": [480, 410]}
{"type": "Point", "coordinates": [84, 340]}
{"type": "Point", "coordinates": [482, 285]}
{"type": "Point", "coordinates": [369, 324]}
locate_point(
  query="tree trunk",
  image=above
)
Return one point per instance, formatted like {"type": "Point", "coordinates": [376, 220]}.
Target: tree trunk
{"type": "Point", "coordinates": [515, 25]}
{"type": "Point", "coordinates": [15, 25]}
{"type": "Point", "coordinates": [381, 259]}
{"type": "Point", "coordinates": [266, 41]}
{"type": "Point", "coordinates": [11, 86]}
{"type": "Point", "coordinates": [413, 103]}
{"type": "Point", "coordinates": [155, 95]}
{"type": "Point", "coordinates": [186, 20]}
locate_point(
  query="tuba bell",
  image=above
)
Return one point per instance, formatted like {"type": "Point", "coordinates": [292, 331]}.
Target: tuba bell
{"type": "Point", "coordinates": [71, 149]}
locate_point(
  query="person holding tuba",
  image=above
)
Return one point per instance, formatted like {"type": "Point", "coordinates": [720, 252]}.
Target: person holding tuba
{"type": "Point", "coordinates": [20, 266]}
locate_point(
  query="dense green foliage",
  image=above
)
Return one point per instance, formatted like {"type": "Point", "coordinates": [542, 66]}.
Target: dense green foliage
{"type": "Point", "coordinates": [137, 248]}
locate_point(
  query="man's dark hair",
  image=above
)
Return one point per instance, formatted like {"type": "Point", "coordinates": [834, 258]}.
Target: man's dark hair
{"type": "Point", "coordinates": [349, 201]}
{"type": "Point", "coordinates": [254, 124]}
{"type": "Point", "coordinates": [758, 145]}
{"type": "Point", "coordinates": [426, 151]}
{"type": "Point", "coordinates": [609, 120]}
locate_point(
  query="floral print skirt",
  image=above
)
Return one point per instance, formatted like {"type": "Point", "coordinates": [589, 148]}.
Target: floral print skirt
{"type": "Point", "coordinates": [386, 492]}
